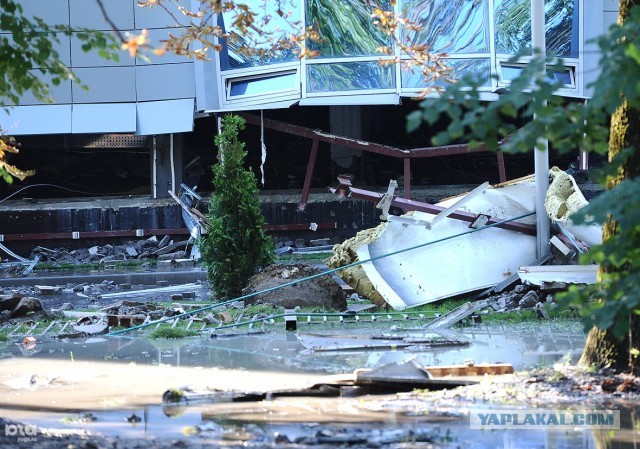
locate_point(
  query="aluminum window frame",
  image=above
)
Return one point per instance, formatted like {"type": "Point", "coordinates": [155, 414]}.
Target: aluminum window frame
{"type": "Point", "coordinates": [241, 75]}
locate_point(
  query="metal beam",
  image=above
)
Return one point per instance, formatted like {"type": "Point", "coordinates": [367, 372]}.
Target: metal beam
{"type": "Point", "coordinates": [308, 176]}
{"type": "Point", "coordinates": [316, 134]}
{"type": "Point", "coordinates": [345, 189]}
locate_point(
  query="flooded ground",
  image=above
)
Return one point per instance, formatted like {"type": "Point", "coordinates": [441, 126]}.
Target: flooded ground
{"type": "Point", "coordinates": [107, 391]}
{"type": "Point", "coordinates": [111, 388]}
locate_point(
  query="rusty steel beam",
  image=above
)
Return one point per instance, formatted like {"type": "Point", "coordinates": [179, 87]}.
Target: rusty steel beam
{"type": "Point", "coordinates": [316, 134]}
{"type": "Point", "coordinates": [304, 197]}
{"type": "Point", "coordinates": [408, 205]}
{"type": "Point", "coordinates": [407, 177]}
{"type": "Point", "coordinates": [144, 233]}
{"type": "Point", "coordinates": [501, 171]}
{"type": "Point", "coordinates": [446, 150]}
{"type": "Point", "coordinates": [91, 234]}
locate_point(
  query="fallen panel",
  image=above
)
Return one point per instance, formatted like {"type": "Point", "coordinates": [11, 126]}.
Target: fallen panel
{"type": "Point", "coordinates": [452, 265]}
{"type": "Point", "coordinates": [571, 274]}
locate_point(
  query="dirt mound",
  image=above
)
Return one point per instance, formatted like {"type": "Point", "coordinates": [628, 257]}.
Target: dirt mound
{"type": "Point", "coordinates": [322, 291]}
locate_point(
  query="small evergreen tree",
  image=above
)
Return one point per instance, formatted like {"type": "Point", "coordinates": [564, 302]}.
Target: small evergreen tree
{"type": "Point", "coordinates": [236, 245]}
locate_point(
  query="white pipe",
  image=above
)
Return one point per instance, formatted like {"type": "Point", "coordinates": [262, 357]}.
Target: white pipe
{"type": "Point", "coordinates": [173, 167]}
{"type": "Point", "coordinates": [541, 156]}
{"type": "Point", "coordinates": [154, 162]}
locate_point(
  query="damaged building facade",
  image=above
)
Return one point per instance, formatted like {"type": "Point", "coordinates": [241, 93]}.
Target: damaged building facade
{"type": "Point", "coordinates": [143, 127]}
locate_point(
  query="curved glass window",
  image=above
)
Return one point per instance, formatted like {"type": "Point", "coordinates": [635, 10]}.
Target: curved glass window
{"type": "Point", "coordinates": [513, 27]}
{"type": "Point", "coordinates": [449, 26]}
{"type": "Point", "coordinates": [478, 69]}
{"type": "Point", "coordinates": [345, 27]}
{"type": "Point", "coordinates": [241, 51]}
{"type": "Point", "coordinates": [349, 76]}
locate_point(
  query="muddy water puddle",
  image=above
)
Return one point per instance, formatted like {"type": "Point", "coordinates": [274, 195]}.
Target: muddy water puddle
{"type": "Point", "coordinates": [114, 385]}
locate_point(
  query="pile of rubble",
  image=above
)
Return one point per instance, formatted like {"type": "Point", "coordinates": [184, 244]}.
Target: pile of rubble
{"type": "Point", "coordinates": [528, 297]}
{"type": "Point", "coordinates": [151, 248]}
{"type": "Point", "coordinates": [16, 305]}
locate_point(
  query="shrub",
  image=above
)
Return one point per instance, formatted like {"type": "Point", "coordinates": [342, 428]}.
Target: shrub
{"type": "Point", "coordinates": [236, 245]}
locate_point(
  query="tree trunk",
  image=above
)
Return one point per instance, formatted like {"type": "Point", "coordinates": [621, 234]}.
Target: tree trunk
{"type": "Point", "coordinates": [601, 348]}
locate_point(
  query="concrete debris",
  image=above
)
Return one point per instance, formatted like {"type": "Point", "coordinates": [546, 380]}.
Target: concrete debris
{"type": "Point", "coordinates": [172, 256]}
{"type": "Point", "coordinates": [48, 289]}
{"type": "Point", "coordinates": [19, 305]}
{"type": "Point", "coordinates": [132, 250]}
{"type": "Point", "coordinates": [59, 312]}
{"type": "Point", "coordinates": [176, 263]}
{"type": "Point", "coordinates": [322, 291]}
{"type": "Point", "coordinates": [529, 300]}
{"type": "Point", "coordinates": [91, 326]}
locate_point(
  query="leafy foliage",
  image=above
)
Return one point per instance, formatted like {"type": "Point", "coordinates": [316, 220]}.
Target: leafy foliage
{"type": "Point", "coordinates": [30, 63]}
{"type": "Point", "coordinates": [570, 126]}
{"type": "Point", "coordinates": [236, 245]}
{"type": "Point", "coordinates": [28, 52]}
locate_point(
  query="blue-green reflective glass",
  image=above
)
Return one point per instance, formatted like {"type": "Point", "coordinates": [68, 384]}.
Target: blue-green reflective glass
{"type": "Point", "coordinates": [273, 26]}
{"type": "Point", "coordinates": [268, 84]}
{"type": "Point", "coordinates": [478, 69]}
{"type": "Point", "coordinates": [449, 26]}
{"type": "Point", "coordinates": [346, 28]}
{"type": "Point", "coordinates": [513, 27]}
{"type": "Point", "coordinates": [349, 76]}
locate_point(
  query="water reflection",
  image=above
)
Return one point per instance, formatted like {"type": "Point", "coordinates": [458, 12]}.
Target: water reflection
{"type": "Point", "coordinates": [524, 346]}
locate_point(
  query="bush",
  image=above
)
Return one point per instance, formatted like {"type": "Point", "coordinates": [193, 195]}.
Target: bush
{"type": "Point", "coordinates": [236, 246]}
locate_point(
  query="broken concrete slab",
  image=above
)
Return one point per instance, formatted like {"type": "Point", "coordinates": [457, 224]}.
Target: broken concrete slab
{"type": "Point", "coordinates": [176, 263]}
{"type": "Point", "coordinates": [48, 289]}
{"type": "Point", "coordinates": [89, 326]}
{"type": "Point", "coordinates": [131, 251]}
{"type": "Point", "coordinates": [529, 300]}
{"type": "Point", "coordinates": [172, 256]}
{"type": "Point", "coordinates": [26, 305]}
{"type": "Point", "coordinates": [10, 301]}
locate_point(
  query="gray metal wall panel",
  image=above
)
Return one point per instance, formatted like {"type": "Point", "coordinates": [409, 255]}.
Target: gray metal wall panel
{"type": "Point", "coordinates": [54, 12]}
{"type": "Point", "coordinates": [162, 117]}
{"type": "Point", "coordinates": [610, 18]}
{"type": "Point", "coordinates": [80, 58]}
{"type": "Point", "coordinates": [165, 82]}
{"type": "Point", "coordinates": [206, 81]}
{"type": "Point", "coordinates": [155, 36]}
{"type": "Point", "coordinates": [611, 5]}
{"type": "Point", "coordinates": [106, 85]}
{"type": "Point", "coordinates": [159, 18]}
{"type": "Point", "coordinates": [60, 93]}
{"type": "Point", "coordinates": [103, 118]}
{"type": "Point", "coordinates": [87, 14]}
{"type": "Point", "coordinates": [49, 119]}
{"type": "Point", "coordinates": [63, 47]}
